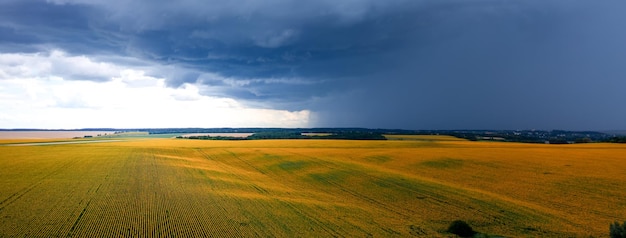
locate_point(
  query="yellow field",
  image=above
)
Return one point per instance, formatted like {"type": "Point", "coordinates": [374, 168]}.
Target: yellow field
{"type": "Point", "coordinates": [320, 188]}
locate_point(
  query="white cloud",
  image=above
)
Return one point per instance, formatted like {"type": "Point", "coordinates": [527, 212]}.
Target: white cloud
{"type": "Point", "coordinates": [33, 96]}
{"type": "Point", "coordinates": [55, 64]}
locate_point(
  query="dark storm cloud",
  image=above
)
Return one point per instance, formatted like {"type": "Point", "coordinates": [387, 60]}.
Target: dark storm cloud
{"type": "Point", "coordinates": [403, 64]}
{"type": "Point", "coordinates": [527, 67]}
{"type": "Point", "coordinates": [33, 24]}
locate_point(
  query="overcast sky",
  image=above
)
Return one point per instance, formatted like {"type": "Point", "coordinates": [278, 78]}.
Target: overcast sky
{"type": "Point", "coordinates": [408, 64]}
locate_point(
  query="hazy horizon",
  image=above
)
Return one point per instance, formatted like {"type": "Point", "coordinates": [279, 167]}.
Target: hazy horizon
{"type": "Point", "coordinates": [108, 129]}
{"type": "Point", "coordinates": [416, 65]}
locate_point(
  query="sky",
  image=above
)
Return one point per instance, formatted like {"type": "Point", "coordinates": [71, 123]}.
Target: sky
{"type": "Point", "coordinates": [396, 64]}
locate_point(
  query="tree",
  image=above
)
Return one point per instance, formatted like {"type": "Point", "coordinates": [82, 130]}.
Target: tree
{"type": "Point", "coordinates": [617, 230]}
{"type": "Point", "coordinates": [461, 229]}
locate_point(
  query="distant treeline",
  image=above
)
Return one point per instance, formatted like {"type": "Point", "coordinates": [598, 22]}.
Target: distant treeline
{"type": "Point", "coordinates": [343, 135]}
{"type": "Point", "coordinates": [290, 134]}
{"type": "Point", "coordinates": [533, 136]}
{"type": "Point", "coordinates": [212, 137]}
{"type": "Point", "coordinates": [526, 136]}
{"type": "Point", "coordinates": [617, 139]}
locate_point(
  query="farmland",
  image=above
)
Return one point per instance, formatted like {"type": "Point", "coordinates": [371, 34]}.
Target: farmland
{"type": "Point", "coordinates": [411, 186]}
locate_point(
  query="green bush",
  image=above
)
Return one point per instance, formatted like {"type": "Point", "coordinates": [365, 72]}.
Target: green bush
{"type": "Point", "coordinates": [461, 229]}
{"type": "Point", "coordinates": [617, 230]}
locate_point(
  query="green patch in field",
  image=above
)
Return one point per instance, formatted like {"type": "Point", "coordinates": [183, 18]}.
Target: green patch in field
{"type": "Point", "coordinates": [444, 163]}
{"type": "Point", "coordinates": [377, 158]}
{"type": "Point", "coordinates": [270, 157]}
{"type": "Point", "coordinates": [292, 165]}
{"type": "Point", "coordinates": [329, 177]}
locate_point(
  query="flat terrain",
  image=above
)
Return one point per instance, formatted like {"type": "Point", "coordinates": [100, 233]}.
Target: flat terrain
{"type": "Point", "coordinates": [322, 188]}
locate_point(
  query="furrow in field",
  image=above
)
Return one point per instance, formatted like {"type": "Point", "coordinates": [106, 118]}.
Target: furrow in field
{"type": "Point", "coordinates": [364, 192]}
{"type": "Point", "coordinates": [441, 196]}
{"type": "Point", "coordinates": [266, 198]}
{"type": "Point", "coordinates": [80, 216]}
{"type": "Point", "coordinates": [296, 188]}
{"type": "Point", "coordinates": [235, 197]}
{"type": "Point", "coordinates": [213, 212]}
{"type": "Point", "coordinates": [448, 193]}
{"type": "Point", "coordinates": [37, 182]}
{"type": "Point", "coordinates": [51, 208]}
{"type": "Point", "coordinates": [334, 226]}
